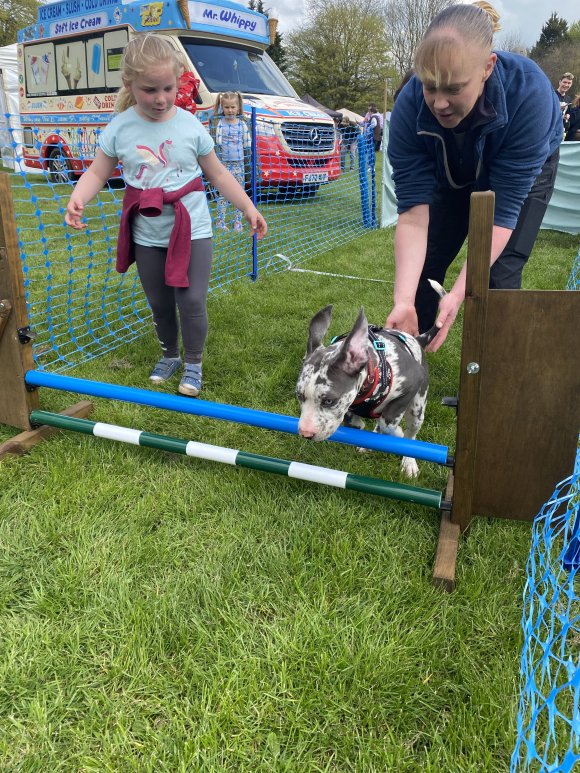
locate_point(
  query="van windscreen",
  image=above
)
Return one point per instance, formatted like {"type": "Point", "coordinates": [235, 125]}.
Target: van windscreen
{"type": "Point", "coordinates": [228, 67]}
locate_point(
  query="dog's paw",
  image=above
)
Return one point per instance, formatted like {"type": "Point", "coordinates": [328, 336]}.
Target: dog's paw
{"type": "Point", "coordinates": [352, 420]}
{"type": "Point", "coordinates": [409, 467]}
{"type": "Point", "coordinates": [362, 450]}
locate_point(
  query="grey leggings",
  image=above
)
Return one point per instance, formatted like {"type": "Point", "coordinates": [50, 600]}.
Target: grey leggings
{"type": "Point", "coordinates": [165, 301]}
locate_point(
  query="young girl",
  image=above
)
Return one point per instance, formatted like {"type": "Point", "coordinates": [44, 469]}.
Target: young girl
{"type": "Point", "coordinates": [165, 224]}
{"type": "Point", "coordinates": [232, 138]}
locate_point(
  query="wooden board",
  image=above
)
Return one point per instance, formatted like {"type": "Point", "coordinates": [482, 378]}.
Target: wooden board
{"type": "Point", "coordinates": [529, 403]}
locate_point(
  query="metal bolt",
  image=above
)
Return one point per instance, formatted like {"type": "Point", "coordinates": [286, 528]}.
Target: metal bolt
{"type": "Point", "coordinates": [472, 368]}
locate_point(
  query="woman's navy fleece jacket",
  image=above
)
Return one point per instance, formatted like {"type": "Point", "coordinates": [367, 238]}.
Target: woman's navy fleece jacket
{"type": "Point", "coordinates": [521, 127]}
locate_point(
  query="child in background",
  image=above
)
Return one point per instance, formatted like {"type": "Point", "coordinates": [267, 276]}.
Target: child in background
{"type": "Point", "coordinates": [165, 223]}
{"type": "Point", "coordinates": [233, 139]}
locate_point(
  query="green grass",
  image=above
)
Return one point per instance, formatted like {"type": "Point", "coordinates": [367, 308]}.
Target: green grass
{"type": "Point", "coordinates": [165, 614]}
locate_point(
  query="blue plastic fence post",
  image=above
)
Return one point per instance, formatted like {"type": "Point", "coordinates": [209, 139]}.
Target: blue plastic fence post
{"type": "Point", "coordinates": [362, 177]}
{"type": "Point", "coordinates": [254, 196]}
{"type": "Point", "coordinates": [373, 207]}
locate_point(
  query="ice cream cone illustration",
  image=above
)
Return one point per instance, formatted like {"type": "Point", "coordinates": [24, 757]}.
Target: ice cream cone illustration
{"type": "Point", "coordinates": [44, 68]}
{"type": "Point", "coordinates": [65, 65]}
{"type": "Point", "coordinates": [35, 69]}
{"type": "Point", "coordinates": [77, 74]}
{"type": "Point", "coordinates": [272, 28]}
{"type": "Point", "coordinates": [184, 9]}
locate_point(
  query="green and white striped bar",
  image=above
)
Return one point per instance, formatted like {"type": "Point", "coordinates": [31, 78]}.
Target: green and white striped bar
{"type": "Point", "coordinates": [308, 472]}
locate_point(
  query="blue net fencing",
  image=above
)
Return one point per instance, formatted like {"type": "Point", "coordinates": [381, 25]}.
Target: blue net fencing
{"type": "Point", "coordinates": [573, 282]}
{"type": "Point", "coordinates": [314, 191]}
{"type": "Point", "coordinates": [548, 724]}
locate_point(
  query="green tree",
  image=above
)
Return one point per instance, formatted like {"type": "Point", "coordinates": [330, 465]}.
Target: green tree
{"type": "Point", "coordinates": [339, 54]}
{"type": "Point", "coordinates": [14, 15]}
{"type": "Point", "coordinates": [554, 32]}
{"type": "Point", "coordinates": [275, 50]}
{"type": "Point", "coordinates": [574, 31]}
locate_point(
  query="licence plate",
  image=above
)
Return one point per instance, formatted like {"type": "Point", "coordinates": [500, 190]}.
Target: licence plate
{"type": "Point", "coordinates": [315, 177]}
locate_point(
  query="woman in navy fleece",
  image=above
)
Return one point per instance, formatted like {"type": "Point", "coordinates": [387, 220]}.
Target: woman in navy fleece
{"type": "Point", "coordinates": [463, 124]}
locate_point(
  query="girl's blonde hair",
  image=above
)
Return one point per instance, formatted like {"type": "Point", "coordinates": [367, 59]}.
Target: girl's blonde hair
{"type": "Point", "coordinates": [474, 24]}
{"type": "Point", "coordinates": [141, 54]}
{"type": "Point", "coordinates": [217, 108]}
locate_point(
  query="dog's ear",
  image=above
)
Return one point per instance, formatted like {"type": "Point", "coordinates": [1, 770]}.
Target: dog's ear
{"type": "Point", "coordinates": [318, 326]}
{"type": "Point", "coordinates": [353, 354]}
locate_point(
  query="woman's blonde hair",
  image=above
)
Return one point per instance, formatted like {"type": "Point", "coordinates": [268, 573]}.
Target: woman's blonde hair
{"type": "Point", "coordinates": [475, 24]}
{"type": "Point", "coordinates": [141, 54]}
{"type": "Point", "coordinates": [217, 108]}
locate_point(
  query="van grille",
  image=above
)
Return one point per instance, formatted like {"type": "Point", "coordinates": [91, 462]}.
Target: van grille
{"type": "Point", "coordinates": [308, 137]}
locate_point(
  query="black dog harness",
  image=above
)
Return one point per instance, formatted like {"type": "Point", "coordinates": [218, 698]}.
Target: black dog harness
{"type": "Point", "coordinates": [379, 378]}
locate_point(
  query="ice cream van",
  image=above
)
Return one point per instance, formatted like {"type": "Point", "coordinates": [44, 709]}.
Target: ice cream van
{"type": "Point", "coordinates": [69, 73]}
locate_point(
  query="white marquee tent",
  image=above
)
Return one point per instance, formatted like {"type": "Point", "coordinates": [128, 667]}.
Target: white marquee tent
{"type": "Point", "coordinates": [351, 114]}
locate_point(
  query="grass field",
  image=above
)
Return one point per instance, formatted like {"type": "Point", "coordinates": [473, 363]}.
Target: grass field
{"type": "Point", "coordinates": [168, 615]}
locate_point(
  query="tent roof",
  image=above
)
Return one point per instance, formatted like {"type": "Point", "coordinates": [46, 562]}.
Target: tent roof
{"type": "Point", "coordinates": [351, 114]}
{"type": "Point", "coordinates": [314, 103]}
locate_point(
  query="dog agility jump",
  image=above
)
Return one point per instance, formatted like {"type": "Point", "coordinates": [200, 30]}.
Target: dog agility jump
{"type": "Point", "coordinates": [516, 432]}
{"type": "Point", "coordinates": [430, 452]}
{"type": "Point", "coordinates": [297, 470]}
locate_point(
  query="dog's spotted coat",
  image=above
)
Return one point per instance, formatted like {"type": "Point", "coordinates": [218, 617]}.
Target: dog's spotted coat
{"type": "Point", "coordinates": [332, 377]}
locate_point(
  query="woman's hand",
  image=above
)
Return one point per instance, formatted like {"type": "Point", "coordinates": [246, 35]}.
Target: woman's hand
{"type": "Point", "coordinates": [449, 307]}
{"type": "Point", "coordinates": [403, 317]}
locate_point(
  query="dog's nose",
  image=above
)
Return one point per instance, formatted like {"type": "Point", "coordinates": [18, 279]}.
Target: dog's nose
{"type": "Point", "coordinates": [305, 433]}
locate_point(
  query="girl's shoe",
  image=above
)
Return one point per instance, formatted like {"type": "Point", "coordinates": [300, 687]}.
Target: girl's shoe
{"type": "Point", "coordinates": [190, 383]}
{"type": "Point", "coordinates": [165, 368]}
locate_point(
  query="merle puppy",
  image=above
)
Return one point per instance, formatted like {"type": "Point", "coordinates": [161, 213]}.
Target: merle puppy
{"type": "Point", "coordinates": [367, 373]}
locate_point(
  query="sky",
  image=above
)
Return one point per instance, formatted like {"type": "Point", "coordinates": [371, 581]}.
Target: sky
{"type": "Point", "coordinates": [521, 19]}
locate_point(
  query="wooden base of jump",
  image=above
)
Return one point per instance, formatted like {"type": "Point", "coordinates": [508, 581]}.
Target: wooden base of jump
{"type": "Point", "coordinates": [22, 443]}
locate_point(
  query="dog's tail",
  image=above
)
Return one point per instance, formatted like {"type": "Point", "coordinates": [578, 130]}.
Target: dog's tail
{"type": "Point", "coordinates": [426, 337]}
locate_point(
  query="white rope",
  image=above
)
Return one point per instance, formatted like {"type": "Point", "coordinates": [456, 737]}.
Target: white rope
{"type": "Point", "coordinates": [324, 273]}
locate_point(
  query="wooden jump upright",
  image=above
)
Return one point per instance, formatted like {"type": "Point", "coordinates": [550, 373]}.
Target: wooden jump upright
{"type": "Point", "coordinates": [518, 412]}
{"type": "Point", "coordinates": [15, 337]}
{"type": "Point", "coordinates": [16, 402]}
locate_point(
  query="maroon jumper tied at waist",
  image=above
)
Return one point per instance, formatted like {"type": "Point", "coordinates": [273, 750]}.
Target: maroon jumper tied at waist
{"type": "Point", "coordinates": [150, 203]}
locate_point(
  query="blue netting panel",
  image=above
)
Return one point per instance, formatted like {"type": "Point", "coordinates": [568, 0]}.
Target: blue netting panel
{"type": "Point", "coordinates": [80, 308]}
{"type": "Point", "coordinates": [574, 278]}
{"type": "Point", "coordinates": [548, 724]}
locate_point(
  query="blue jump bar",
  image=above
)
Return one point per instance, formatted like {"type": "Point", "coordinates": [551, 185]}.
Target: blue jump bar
{"type": "Point", "coordinates": [430, 452]}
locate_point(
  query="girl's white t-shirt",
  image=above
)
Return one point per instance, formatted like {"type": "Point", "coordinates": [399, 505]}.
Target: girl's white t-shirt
{"type": "Point", "coordinates": [161, 155]}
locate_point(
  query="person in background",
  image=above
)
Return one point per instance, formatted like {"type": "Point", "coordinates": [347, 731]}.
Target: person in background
{"type": "Point", "coordinates": [349, 132]}
{"type": "Point", "coordinates": [564, 85]}
{"type": "Point", "coordinates": [233, 141]}
{"type": "Point", "coordinates": [165, 222]}
{"type": "Point", "coordinates": [372, 124]}
{"type": "Point", "coordinates": [460, 125]}
{"type": "Point", "coordinates": [374, 128]}
{"type": "Point", "coordinates": [573, 131]}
